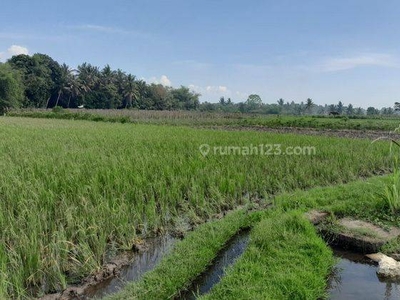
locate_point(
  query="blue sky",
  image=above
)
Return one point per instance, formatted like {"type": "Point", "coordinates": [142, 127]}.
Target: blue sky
{"type": "Point", "coordinates": [325, 50]}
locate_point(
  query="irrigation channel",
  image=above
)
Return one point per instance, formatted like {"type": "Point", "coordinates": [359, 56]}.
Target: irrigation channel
{"type": "Point", "coordinates": [226, 257]}
{"type": "Point", "coordinates": [157, 248]}
{"type": "Point", "coordinates": [141, 263]}
{"type": "Point", "coordinates": [355, 278]}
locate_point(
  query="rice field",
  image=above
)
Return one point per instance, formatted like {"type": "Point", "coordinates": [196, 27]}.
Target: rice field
{"type": "Point", "coordinates": [70, 191]}
{"type": "Point", "coordinates": [217, 118]}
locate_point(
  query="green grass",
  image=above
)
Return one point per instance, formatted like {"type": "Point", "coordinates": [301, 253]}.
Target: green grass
{"type": "Point", "coordinates": [391, 247]}
{"type": "Point", "coordinates": [285, 259]}
{"type": "Point", "coordinates": [189, 258]}
{"type": "Point", "coordinates": [70, 189]}
{"type": "Point", "coordinates": [391, 193]}
{"type": "Point", "coordinates": [360, 199]}
{"type": "Point", "coordinates": [235, 120]}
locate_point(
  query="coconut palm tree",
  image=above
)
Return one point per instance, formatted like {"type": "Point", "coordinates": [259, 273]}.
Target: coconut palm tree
{"type": "Point", "coordinates": [309, 104]}
{"type": "Point", "coordinates": [130, 90]}
{"type": "Point", "coordinates": [119, 80]}
{"type": "Point", "coordinates": [88, 75]}
{"type": "Point", "coordinates": [76, 89]}
{"type": "Point", "coordinates": [66, 77]}
{"type": "Point", "coordinates": [107, 76]}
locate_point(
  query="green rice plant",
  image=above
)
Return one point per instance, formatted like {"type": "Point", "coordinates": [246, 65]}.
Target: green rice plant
{"type": "Point", "coordinates": [391, 193]}
{"type": "Point", "coordinates": [70, 188]}
{"type": "Point", "coordinates": [391, 189]}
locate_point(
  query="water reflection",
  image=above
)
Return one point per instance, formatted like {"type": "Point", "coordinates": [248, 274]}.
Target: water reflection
{"type": "Point", "coordinates": [355, 278]}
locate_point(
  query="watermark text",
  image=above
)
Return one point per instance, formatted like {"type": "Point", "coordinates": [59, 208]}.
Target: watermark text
{"type": "Point", "coordinates": [261, 149]}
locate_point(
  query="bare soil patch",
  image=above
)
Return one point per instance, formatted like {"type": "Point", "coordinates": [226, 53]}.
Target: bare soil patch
{"type": "Point", "coordinates": [351, 234]}
{"type": "Point", "coordinates": [362, 134]}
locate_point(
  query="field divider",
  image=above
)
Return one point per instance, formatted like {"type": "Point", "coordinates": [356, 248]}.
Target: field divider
{"type": "Point", "coordinates": [285, 259]}
{"type": "Point", "coordinates": [189, 258]}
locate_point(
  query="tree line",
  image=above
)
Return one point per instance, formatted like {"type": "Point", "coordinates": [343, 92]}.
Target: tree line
{"type": "Point", "coordinates": [254, 104]}
{"type": "Point", "coordinates": [38, 81]}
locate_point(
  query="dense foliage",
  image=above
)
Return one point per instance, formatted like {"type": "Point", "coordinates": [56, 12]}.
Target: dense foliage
{"type": "Point", "coordinates": [11, 90]}
{"type": "Point", "coordinates": [253, 104]}
{"type": "Point", "coordinates": [46, 83]}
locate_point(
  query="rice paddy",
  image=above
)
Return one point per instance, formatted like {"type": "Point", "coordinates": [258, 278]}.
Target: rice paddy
{"type": "Point", "coordinates": [70, 191]}
{"type": "Point", "coordinates": [209, 119]}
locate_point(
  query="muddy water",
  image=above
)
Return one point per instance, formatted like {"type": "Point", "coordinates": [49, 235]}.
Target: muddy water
{"type": "Point", "coordinates": [355, 278]}
{"type": "Point", "coordinates": [226, 257]}
{"type": "Point", "coordinates": [141, 263]}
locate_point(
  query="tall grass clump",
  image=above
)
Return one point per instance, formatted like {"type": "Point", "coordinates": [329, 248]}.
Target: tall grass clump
{"type": "Point", "coordinates": [390, 193]}
{"type": "Point", "coordinates": [391, 189]}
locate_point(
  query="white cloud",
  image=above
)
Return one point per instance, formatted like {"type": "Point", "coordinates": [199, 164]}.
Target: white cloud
{"type": "Point", "coordinates": [223, 89]}
{"type": "Point", "coordinates": [13, 50]}
{"type": "Point", "coordinates": [194, 88]}
{"type": "Point", "coordinates": [16, 50]}
{"type": "Point", "coordinates": [241, 95]}
{"type": "Point", "coordinates": [212, 93]}
{"type": "Point", "coordinates": [217, 89]}
{"type": "Point", "coordinates": [164, 80]}
{"type": "Point", "coordinates": [334, 64]}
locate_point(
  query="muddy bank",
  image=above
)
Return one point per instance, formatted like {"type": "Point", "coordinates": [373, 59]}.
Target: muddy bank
{"type": "Point", "coordinates": [124, 268]}
{"type": "Point", "coordinates": [351, 234]}
{"type": "Point", "coordinates": [345, 133]}
{"type": "Point", "coordinates": [130, 266]}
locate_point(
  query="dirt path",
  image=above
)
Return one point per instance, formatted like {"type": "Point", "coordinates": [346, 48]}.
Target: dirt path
{"type": "Point", "coordinates": [345, 133]}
